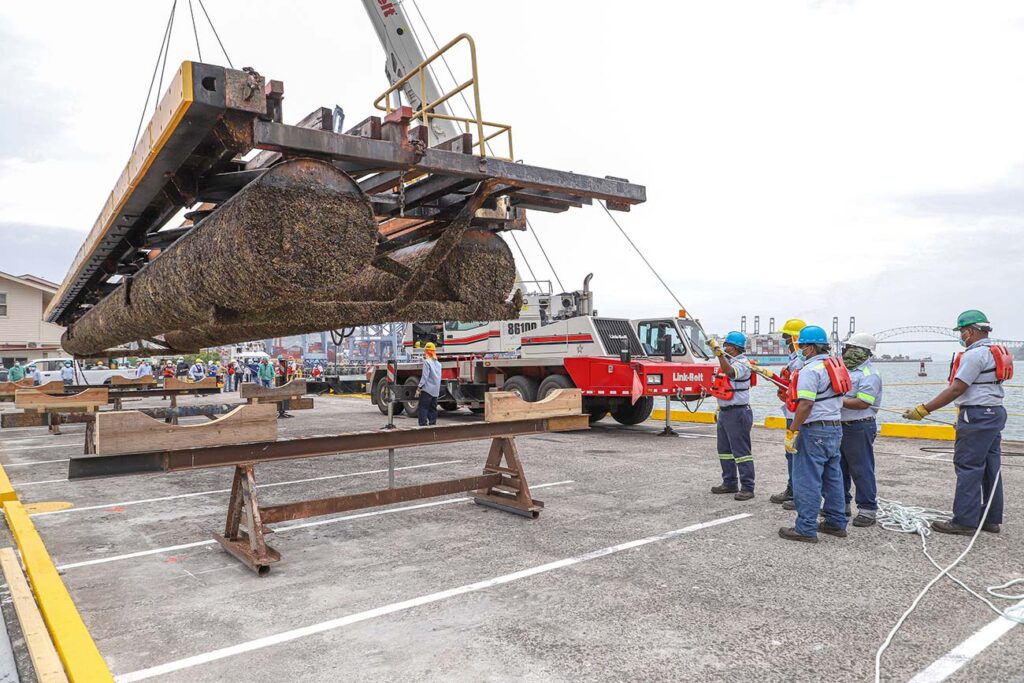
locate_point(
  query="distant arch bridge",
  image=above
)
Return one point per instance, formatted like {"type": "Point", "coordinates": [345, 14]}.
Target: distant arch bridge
{"type": "Point", "coordinates": [918, 332]}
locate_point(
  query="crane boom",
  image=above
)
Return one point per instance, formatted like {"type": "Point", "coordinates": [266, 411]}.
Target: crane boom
{"type": "Point", "coordinates": [403, 55]}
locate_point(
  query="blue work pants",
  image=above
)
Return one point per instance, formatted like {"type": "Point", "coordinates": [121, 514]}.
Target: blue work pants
{"type": "Point", "coordinates": [426, 410]}
{"type": "Point", "coordinates": [817, 474]}
{"type": "Point", "coordinates": [976, 459]}
{"type": "Point", "coordinates": [734, 423]}
{"type": "Point", "coordinates": [858, 462]}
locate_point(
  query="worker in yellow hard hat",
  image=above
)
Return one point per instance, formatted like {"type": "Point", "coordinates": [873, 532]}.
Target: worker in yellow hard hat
{"type": "Point", "coordinates": [790, 333]}
{"type": "Point", "coordinates": [429, 385]}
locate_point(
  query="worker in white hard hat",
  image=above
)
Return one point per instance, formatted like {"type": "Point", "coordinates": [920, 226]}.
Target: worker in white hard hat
{"type": "Point", "coordinates": [857, 449]}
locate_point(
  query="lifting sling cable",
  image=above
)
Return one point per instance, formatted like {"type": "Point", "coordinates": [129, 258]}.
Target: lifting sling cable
{"type": "Point", "coordinates": [462, 94]}
{"type": "Point", "coordinates": [149, 91]}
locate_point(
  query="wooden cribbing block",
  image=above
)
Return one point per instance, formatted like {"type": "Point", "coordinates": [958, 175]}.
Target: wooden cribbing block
{"type": "Point", "coordinates": [301, 403]}
{"type": "Point", "coordinates": [41, 651]}
{"type": "Point", "coordinates": [8, 389]}
{"type": "Point", "coordinates": [33, 419]}
{"type": "Point", "coordinates": [144, 381]}
{"type": "Point", "coordinates": [129, 431]}
{"type": "Point", "coordinates": [293, 389]}
{"type": "Point", "coordinates": [88, 400]}
{"type": "Point", "coordinates": [505, 406]}
{"type": "Point", "coordinates": [181, 385]}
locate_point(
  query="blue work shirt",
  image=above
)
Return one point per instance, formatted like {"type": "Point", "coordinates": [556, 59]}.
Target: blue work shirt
{"type": "Point", "coordinates": [867, 386]}
{"type": "Point", "coordinates": [430, 380]}
{"type": "Point", "coordinates": [67, 373]}
{"type": "Point", "coordinates": [978, 371]}
{"type": "Point", "coordinates": [740, 383]}
{"type": "Point", "coordinates": [813, 384]}
{"type": "Point", "coordinates": [796, 361]}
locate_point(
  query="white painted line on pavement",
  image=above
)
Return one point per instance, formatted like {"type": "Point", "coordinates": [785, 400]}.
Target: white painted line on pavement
{"type": "Point", "coordinates": [952, 661]}
{"type": "Point", "coordinates": [350, 619]}
{"type": "Point", "coordinates": [107, 506]}
{"type": "Point", "coordinates": [34, 462]}
{"type": "Point", "coordinates": [45, 481]}
{"type": "Point", "coordinates": [36, 448]}
{"type": "Point", "coordinates": [291, 527]}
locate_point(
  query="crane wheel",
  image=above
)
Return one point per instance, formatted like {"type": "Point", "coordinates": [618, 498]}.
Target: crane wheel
{"type": "Point", "coordinates": [635, 413]}
{"type": "Point", "coordinates": [551, 383]}
{"type": "Point", "coordinates": [522, 386]}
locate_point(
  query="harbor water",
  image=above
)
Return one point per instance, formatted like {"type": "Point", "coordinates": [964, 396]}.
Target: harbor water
{"type": "Point", "coordinates": [902, 389]}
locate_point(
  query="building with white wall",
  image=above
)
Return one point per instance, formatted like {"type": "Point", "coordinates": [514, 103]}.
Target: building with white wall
{"type": "Point", "coordinates": [23, 333]}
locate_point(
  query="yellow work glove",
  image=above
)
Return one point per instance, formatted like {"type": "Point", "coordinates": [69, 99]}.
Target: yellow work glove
{"type": "Point", "coordinates": [790, 442]}
{"type": "Point", "coordinates": [716, 347]}
{"type": "Point", "coordinates": [918, 413]}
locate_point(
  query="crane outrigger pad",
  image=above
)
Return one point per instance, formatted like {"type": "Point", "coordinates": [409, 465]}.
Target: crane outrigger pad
{"type": "Point", "coordinates": [192, 153]}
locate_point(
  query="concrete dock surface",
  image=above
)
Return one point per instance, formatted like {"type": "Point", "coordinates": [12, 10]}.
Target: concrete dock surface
{"type": "Point", "coordinates": [634, 570]}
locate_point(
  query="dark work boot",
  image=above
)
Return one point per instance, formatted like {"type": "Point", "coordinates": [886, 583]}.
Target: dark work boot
{"type": "Point", "coordinates": [744, 495]}
{"type": "Point", "coordinates": [722, 488]}
{"type": "Point", "coordinates": [779, 498]}
{"type": "Point", "coordinates": [789, 505]}
{"type": "Point", "coordinates": [863, 520]}
{"type": "Point", "coordinates": [791, 534]}
{"type": "Point", "coordinates": [990, 527]}
{"type": "Point", "coordinates": [826, 528]}
{"type": "Point", "coordinates": [952, 528]}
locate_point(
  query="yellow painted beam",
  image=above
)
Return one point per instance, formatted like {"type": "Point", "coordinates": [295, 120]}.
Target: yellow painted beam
{"type": "Point", "coordinates": [684, 416]}
{"type": "Point", "coordinates": [6, 490]}
{"type": "Point", "coordinates": [82, 660]}
{"type": "Point", "coordinates": [775, 422]}
{"type": "Point", "coordinates": [41, 651]}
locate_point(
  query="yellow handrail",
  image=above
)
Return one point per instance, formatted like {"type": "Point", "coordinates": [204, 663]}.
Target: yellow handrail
{"type": "Point", "coordinates": [426, 111]}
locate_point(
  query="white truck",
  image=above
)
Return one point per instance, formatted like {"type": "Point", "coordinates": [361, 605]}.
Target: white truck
{"type": "Point", "coordinates": [50, 370]}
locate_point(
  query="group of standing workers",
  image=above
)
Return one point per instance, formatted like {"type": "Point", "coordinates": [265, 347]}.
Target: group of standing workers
{"type": "Point", "coordinates": [830, 405]}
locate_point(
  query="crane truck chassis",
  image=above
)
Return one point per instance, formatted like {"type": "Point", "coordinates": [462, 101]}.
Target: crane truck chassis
{"type": "Point", "coordinates": [559, 342]}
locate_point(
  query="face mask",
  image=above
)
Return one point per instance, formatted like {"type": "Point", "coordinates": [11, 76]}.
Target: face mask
{"type": "Point", "coordinates": [807, 351]}
{"type": "Point", "coordinates": [963, 342]}
{"type": "Point", "coordinates": [853, 356]}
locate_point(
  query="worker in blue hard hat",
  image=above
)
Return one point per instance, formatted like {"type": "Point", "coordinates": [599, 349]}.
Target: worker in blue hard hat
{"type": "Point", "coordinates": [731, 388]}
{"type": "Point", "coordinates": [975, 386]}
{"type": "Point", "coordinates": [814, 437]}
{"type": "Point", "coordinates": [67, 374]}
{"type": "Point", "coordinates": [790, 333]}
{"type": "Point", "coordinates": [857, 449]}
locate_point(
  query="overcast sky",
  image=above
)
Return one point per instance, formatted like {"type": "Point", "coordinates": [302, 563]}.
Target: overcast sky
{"type": "Point", "coordinates": [801, 158]}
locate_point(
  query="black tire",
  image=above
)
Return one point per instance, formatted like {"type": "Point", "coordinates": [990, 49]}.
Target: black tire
{"type": "Point", "coordinates": [477, 411]}
{"type": "Point", "coordinates": [523, 386]}
{"type": "Point", "coordinates": [448, 406]}
{"type": "Point", "coordinates": [551, 383]}
{"type": "Point", "coordinates": [381, 396]}
{"type": "Point", "coordinates": [412, 407]}
{"type": "Point", "coordinates": [635, 413]}
{"type": "Point", "coordinates": [596, 408]}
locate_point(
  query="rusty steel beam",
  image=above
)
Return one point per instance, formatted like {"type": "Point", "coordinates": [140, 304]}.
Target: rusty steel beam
{"type": "Point", "coordinates": [279, 137]}
{"type": "Point", "coordinates": [357, 501]}
{"type": "Point", "coordinates": [291, 449]}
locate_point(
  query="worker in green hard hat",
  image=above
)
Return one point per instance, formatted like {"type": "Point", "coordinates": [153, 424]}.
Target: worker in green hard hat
{"type": "Point", "coordinates": [975, 387]}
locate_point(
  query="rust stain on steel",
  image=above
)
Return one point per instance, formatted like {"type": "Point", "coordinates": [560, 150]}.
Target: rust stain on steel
{"type": "Point", "coordinates": [357, 501]}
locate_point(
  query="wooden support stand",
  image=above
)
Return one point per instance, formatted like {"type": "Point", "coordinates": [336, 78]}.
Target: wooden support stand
{"type": "Point", "coordinates": [33, 400]}
{"type": "Point", "coordinates": [144, 381]}
{"type": "Point", "coordinates": [501, 486]}
{"type": "Point", "coordinates": [9, 389]}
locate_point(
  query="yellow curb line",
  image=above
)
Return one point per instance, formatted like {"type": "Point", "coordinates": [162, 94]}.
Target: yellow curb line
{"type": "Point", "coordinates": [82, 660]}
{"type": "Point", "coordinates": [891, 429]}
